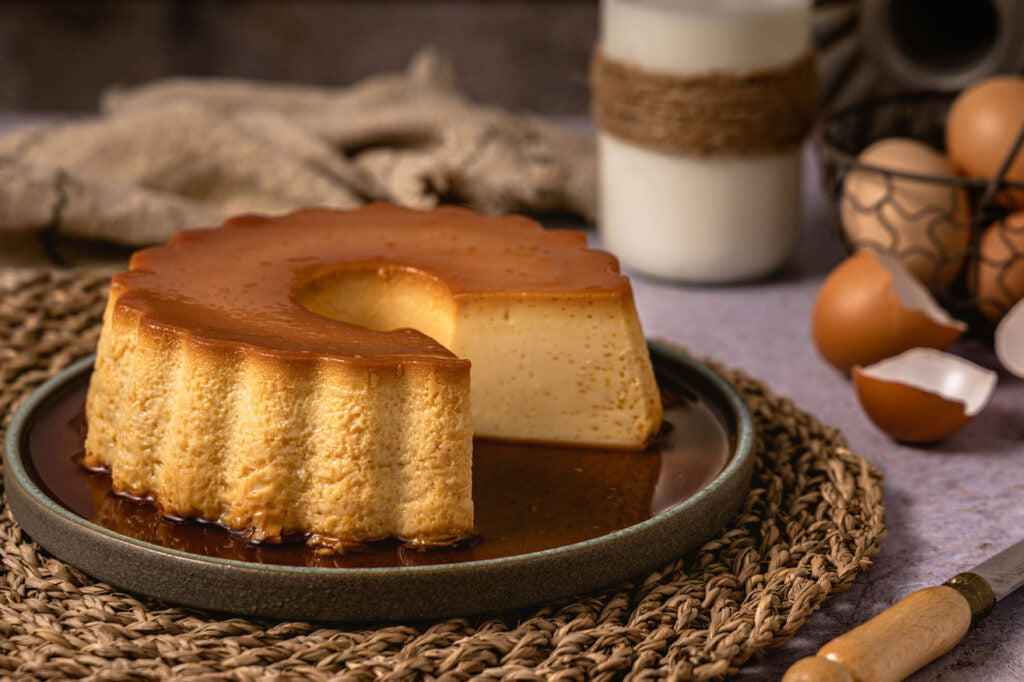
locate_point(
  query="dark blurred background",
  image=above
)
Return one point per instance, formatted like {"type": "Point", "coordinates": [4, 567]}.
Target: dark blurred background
{"type": "Point", "coordinates": [59, 55]}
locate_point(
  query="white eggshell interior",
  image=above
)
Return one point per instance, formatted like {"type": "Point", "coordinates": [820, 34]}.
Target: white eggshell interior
{"type": "Point", "coordinates": [1010, 340]}
{"type": "Point", "coordinates": [913, 294]}
{"type": "Point", "coordinates": [943, 374]}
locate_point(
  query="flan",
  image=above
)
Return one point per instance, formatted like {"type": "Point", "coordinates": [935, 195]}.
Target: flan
{"type": "Point", "coordinates": [325, 372]}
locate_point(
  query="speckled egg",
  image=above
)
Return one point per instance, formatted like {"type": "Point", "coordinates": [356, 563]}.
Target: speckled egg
{"type": "Point", "coordinates": [923, 223]}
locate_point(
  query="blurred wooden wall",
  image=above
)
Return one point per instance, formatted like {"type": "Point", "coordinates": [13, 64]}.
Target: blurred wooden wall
{"type": "Point", "coordinates": [59, 55]}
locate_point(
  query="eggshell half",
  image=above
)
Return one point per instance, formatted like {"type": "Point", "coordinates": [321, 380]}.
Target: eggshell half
{"type": "Point", "coordinates": [1010, 340]}
{"type": "Point", "coordinates": [870, 308]}
{"type": "Point", "coordinates": [923, 395]}
{"type": "Point", "coordinates": [925, 224]}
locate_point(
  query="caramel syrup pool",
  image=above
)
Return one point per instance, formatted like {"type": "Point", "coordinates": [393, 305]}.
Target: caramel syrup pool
{"type": "Point", "coordinates": [527, 497]}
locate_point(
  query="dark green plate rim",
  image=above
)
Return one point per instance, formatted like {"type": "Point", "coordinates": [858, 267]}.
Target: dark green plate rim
{"type": "Point", "coordinates": [403, 593]}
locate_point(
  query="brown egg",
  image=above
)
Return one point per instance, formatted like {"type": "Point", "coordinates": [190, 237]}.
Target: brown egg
{"type": "Point", "coordinates": [983, 124]}
{"type": "Point", "coordinates": [923, 395]}
{"type": "Point", "coordinates": [925, 224]}
{"type": "Point", "coordinates": [998, 282]}
{"type": "Point", "coordinates": [870, 308]}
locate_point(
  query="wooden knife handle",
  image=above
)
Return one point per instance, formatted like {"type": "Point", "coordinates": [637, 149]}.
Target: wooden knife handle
{"type": "Point", "coordinates": [901, 639]}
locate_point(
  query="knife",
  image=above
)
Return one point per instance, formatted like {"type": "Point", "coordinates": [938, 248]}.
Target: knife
{"type": "Point", "coordinates": [918, 629]}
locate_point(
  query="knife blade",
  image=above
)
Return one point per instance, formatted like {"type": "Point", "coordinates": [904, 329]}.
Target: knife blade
{"type": "Point", "coordinates": [1004, 572]}
{"type": "Point", "coordinates": [916, 630]}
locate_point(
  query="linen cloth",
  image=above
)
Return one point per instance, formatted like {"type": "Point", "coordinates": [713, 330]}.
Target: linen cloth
{"type": "Point", "coordinates": [186, 153]}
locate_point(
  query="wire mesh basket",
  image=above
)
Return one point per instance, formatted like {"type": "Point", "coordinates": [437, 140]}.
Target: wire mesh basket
{"type": "Point", "coordinates": [958, 235]}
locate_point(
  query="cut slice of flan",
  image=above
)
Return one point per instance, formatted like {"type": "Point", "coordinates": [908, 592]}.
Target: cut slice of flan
{"type": "Point", "coordinates": [324, 372]}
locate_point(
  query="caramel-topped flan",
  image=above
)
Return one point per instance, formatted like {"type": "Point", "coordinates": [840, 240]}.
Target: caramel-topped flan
{"type": "Point", "coordinates": [324, 372]}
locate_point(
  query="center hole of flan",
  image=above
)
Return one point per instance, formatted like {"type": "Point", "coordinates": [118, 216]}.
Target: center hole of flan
{"type": "Point", "coordinates": [382, 297]}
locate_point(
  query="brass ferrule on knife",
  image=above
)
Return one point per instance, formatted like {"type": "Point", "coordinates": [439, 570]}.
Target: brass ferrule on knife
{"type": "Point", "coordinates": [976, 591]}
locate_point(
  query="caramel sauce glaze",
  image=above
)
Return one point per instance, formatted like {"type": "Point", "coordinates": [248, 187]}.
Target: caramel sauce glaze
{"type": "Point", "coordinates": [238, 284]}
{"type": "Point", "coordinates": [527, 497]}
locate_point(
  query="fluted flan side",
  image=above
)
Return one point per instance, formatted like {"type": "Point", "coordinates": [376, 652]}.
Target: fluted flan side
{"type": "Point", "coordinates": [267, 445]}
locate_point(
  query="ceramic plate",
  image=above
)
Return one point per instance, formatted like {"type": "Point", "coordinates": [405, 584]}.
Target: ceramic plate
{"type": "Point", "coordinates": [461, 584]}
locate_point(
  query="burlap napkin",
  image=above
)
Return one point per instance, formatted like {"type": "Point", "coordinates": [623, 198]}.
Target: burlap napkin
{"type": "Point", "coordinates": [184, 153]}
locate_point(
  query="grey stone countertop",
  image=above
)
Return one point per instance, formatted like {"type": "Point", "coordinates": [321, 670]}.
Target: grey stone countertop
{"type": "Point", "coordinates": [948, 506]}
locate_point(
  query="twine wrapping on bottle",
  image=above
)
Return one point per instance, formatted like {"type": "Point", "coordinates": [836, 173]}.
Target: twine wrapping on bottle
{"type": "Point", "coordinates": [714, 114]}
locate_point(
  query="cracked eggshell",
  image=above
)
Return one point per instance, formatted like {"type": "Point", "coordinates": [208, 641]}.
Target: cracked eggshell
{"type": "Point", "coordinates": [923, 395]}
{"type": "Point", "coordinates": [870, 308]}
{"type": "Point", "coordinates": [1010, 340]}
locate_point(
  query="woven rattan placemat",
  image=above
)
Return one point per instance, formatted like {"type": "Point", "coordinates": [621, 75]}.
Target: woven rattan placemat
{"type": "Point", "coordinates": [810, 524]}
